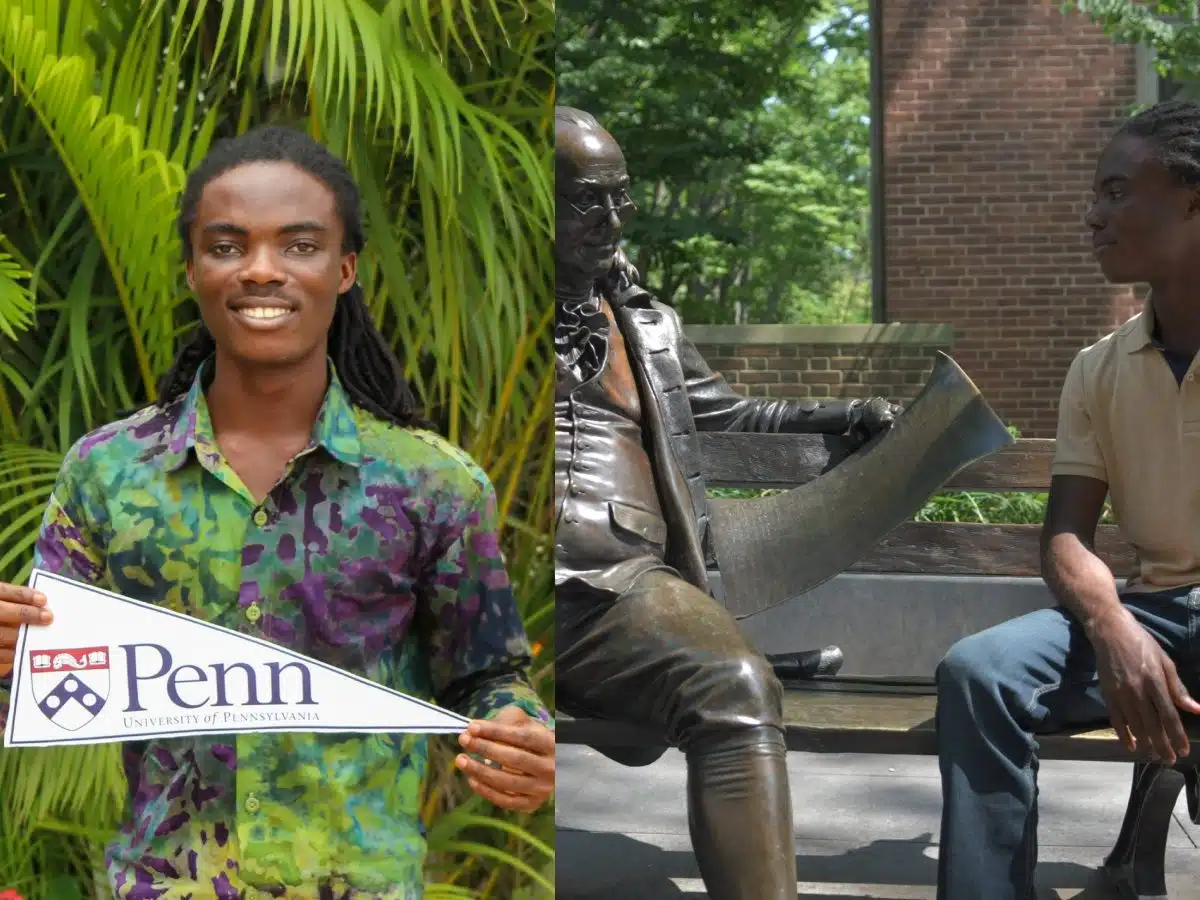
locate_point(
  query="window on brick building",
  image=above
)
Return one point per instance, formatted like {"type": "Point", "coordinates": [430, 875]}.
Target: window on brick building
{"type": "Point", "coordinates": [1153, 87]}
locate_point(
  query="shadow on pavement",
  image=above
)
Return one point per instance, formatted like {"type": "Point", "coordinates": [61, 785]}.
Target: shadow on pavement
{"type": "Point", "coordinates": [602, 865]}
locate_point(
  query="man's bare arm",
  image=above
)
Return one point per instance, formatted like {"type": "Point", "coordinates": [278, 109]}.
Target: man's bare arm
{"type": "Point", "coordinates": [1138, 679]}
{"type": "Point", "coordinates": [1076, 576]}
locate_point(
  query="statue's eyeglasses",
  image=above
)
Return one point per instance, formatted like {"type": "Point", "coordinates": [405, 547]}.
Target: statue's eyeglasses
{"type": "Point", "coordinates": [594, 205]}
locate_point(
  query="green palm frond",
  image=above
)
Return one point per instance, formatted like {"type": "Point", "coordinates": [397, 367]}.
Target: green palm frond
{"type": "Point", "coordinates": [438, 891]}
{"type": "Point", "coordinates": [27, 476]}
{"type": "Point", "coordinates": [16, 300]}
{"type": "Point", "coordinates": [71, 784]}
{"type": "Point", "coordinates": [127, 185]}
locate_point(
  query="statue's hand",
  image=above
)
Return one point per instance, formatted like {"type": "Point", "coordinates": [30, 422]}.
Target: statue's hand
{"type": "Point", "coordinates": [870, 417]}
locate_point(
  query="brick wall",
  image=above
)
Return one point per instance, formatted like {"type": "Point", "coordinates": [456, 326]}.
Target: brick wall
{"type": "Point", "coordinates": [822, 362]}
{"type": "Point", "coordinates": [995, 112]}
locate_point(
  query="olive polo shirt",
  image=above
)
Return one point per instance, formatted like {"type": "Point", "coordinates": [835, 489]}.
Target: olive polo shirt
{"type": "Point", "coordinates": [1127, 419]}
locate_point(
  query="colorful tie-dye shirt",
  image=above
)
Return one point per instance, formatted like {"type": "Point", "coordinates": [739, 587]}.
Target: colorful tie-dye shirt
{"type": "Point", "coordinates": [377, 552]}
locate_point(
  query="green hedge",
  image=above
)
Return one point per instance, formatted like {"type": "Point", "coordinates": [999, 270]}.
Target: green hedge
{"type": "Point", "coordinates": [1011, 508]}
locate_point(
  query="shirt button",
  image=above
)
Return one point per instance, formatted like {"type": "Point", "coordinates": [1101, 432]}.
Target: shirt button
{"type": "Point", "coordinates": [253, 613]}
{"type": "Point", "coordinates": [252, 804]}
{"type": "Point", "coordinates": [260, 518]}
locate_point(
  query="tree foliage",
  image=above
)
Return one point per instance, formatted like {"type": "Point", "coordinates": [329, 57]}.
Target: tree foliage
{"type": "Point", "coordinates": [443, 111]}
{"type": "Point", "coordinates": [746, 127]}
{"type": "Point", "coordinates": [1169, 28]}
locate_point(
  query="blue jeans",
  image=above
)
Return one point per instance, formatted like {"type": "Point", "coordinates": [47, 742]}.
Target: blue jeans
{"type": "Point", "coordinates": [996, 690]}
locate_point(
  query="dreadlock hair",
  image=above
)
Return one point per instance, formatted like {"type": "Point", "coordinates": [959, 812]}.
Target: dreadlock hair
{"type": "Point", "coordinates": [365, 364]}
{"type": "Point", "coordinates": [1173, 127]}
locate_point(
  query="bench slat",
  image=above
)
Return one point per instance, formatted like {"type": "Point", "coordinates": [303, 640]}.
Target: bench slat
{"type": "Point", "coordinates": [787, 460]}
{"type": "Point", "coordinates": [1025, 466]}
{"type": "Point", "coordinates": [820, 721]}
{"type": "Point", "coordinates": [964, 548]}
{"type": "Point", "coordinates": [844, 722]}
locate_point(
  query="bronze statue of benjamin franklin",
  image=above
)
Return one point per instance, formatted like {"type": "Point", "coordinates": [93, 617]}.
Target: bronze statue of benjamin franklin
{"type": "Point", "coordinates": [639, 637]}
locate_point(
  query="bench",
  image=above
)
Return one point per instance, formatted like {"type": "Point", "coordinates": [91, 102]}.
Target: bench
{"type": "Point", "coordinates": [895, 613]}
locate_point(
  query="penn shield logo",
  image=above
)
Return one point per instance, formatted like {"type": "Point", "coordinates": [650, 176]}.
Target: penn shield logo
{"type": "Point", "coordinates": [70, 686]}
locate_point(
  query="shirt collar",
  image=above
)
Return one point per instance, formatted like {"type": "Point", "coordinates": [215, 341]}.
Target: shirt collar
{"type": "Point", "coordinates": [1138, 333]}
{"type": "Point", "coordinates": [336, 427]}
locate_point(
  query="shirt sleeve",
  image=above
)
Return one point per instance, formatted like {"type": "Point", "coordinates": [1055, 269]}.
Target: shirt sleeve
{"type": "Point", "coordinates": [67, 544]}
{"type": "Point", "coordinates": [1077, 450]}
{"type": "Point", "coordinates": [478, 651]}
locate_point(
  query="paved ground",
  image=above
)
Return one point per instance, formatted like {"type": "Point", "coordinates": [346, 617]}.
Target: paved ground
{"type": "Point", "coordinates": [866, 826]}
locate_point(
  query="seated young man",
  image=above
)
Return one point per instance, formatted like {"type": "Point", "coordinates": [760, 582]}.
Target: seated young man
{"type": "Point", "coordinates": [1129, 428]}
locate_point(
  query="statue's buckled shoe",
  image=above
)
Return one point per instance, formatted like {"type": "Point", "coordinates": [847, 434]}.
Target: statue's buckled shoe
{"type": "Point", "coordinates": [807, 663]}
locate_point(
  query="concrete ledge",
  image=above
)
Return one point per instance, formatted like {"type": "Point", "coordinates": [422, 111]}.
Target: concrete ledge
{"type": "Point", "coordinates": [893, 333]}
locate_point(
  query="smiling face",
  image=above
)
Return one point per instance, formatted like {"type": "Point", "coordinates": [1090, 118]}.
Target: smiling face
{"type": "Point", "coordinates": [1143, 220]}
{"type": "Point", "coordinates": [592, 205]}
{"type": "Point", "coordinates": [267, 263]}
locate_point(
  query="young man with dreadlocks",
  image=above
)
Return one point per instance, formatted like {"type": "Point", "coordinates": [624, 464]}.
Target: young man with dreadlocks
{"type": "Point", "coordinates": [1129, 429]}
{"type": "Point", "coordinates": [283, 487]}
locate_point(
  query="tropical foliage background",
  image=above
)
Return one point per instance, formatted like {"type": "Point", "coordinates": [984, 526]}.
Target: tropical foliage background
{"type": "Point", "coordinates": [443, 110]}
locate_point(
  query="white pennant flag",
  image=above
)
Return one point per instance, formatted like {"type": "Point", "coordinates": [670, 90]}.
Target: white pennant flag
{"type": "Point", "coordinates": [109, 669]}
